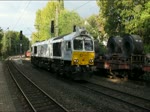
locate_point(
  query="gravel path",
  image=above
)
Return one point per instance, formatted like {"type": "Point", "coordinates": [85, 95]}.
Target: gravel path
{"type": "Point", "coordinates": [141, 90]}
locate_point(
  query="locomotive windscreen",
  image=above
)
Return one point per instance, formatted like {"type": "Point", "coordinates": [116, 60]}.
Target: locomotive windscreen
{"type": "Point", "coordinates": [83, 43]}
{"type": "Point", "coordinates": [78, 43]}
{"type": "Point", "coordinates": [88, 44]}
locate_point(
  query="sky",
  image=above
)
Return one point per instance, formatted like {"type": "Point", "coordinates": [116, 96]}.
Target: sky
{"type": "Point", "coordinates": [20, 15]}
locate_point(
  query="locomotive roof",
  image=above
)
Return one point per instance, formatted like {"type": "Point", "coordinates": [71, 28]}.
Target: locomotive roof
{"type": "Point", "coordinates": [60, 37]}
{"type": "Point", "coordinates": [65, 37]}
{"type": "Point", "coordinates": [40, 43]}
{"type": "Point", "coordinates": [71, 35]}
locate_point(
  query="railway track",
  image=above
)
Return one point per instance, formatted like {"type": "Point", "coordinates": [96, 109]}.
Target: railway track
{"type": "Point", "coordinates": [129, 99]}
{"type": "Point", "coordinates": [36, 97]}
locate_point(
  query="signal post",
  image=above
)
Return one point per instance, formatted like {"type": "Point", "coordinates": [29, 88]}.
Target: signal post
{"type": "Point", "coordinates": [20, 37]}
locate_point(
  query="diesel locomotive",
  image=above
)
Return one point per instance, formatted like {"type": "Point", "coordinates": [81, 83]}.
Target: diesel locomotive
{"type": "Point", "coordinates": [70, 55]}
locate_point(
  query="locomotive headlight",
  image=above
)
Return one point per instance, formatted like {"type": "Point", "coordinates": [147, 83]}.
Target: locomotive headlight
{"type": "Point", "coordinates": [76, 60]}
{"type": "Point", "coordinates": [91, 61]}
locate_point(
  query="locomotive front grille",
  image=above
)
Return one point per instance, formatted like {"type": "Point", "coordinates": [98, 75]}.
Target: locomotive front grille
{"type": "Point", "coordinates": [83, 58]}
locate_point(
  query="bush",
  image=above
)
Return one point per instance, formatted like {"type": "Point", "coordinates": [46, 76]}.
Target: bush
{"type": "Point", "coordinates": [146, 49]}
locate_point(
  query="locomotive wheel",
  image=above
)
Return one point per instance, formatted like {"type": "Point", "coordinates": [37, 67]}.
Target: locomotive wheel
{"type": "Point", "coordinates": [124, 75]}
{"type": "Point", "coordinates": [112, 74]}
{"type": "Point", "coordinates": [39, 65]}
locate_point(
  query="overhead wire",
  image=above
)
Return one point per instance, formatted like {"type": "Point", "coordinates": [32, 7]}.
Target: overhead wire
{"type": "Point", "coordinates": [17, 10]}
{"type": "Point", "coordinates": [29, 13]}
{"type": "Point", "coordinates": [21, 15]}
{"type": "Point", "coordinates": [28, 5]}
{"type": "Point", "coordinates": [81, 5]}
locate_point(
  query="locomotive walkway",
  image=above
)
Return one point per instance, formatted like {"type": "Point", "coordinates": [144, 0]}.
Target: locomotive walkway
{"type": "Point", "coordinates": [6, 102]}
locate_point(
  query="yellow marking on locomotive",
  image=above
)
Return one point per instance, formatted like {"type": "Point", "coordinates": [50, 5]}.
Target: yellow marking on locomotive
{"type": "Point", "coordinates": [83, 58]}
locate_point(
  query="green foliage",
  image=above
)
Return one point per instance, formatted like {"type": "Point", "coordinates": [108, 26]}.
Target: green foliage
{"type": "Point", "coordinates": [67, 20]}
{"type": "Point", "coordinates": [34, 37]}
{"type": "Point", "coordinates": [146, 48]}
{"type": "Point", "coordinates": [110, 14]}
{"type": "Point", "coordinates": [121, 16]}
{"type": "Point", "coordinates": [99, 48]}
{"type": "Point", "coordinates": [144, 23]}
{"type": "Point", "coordinates": [126, 16]}
{"type": "Point", "coordinates": [92, 25]}
{"type": "Point", "coordinates": [1, 35]}
{"type": "Point", "coordinates": [11, 43]}
{"type": "Point", "coordinates": [43, 20]}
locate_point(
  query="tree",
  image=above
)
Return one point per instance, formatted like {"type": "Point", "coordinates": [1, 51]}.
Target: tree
{"type": "Point", "coordinates": [11, 43]}
{"type": "Point", "coordinates": [34, 37]}
{"type": "Point", "coordinates": [4, 44]}
{"type": "Point", "coordinates": [144, 23]}
{"type": "Point", "coordinates": [63, 20]}
{"type": "Point", "coordinates": [144, 26]}
{"type": "Point", "coordinates": [43, 20]}
{"type": "Point", "coordinates": [66, 21]}
{"type": "Point", "coordinates": [121, 16]}
{"type": "Point", "coordinates": [1, 35]}
{"type": "Point", "coordinates": [126, 16]}
{"type": "Point", "coordinates": [93, 26]}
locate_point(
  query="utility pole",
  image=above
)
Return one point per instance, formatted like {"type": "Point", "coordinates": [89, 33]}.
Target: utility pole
{"type": "Point", "coordinates": [56, 19]}
{"type": "Point", "coordinates": [9, 45]}
{"type": "Point", "coordinates": [38, 28]}
{"type": "Point", "coordinates": [7, 49]}
{"type": "Point", "coordinates": [59, 6]}
{"type": "Point", "coordinates": [21, 37]}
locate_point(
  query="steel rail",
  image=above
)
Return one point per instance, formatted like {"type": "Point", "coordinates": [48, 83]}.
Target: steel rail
{"type": "Point", "coordinates": [89, 84]}
{"type": "Point", "coordinates": [40, 91]}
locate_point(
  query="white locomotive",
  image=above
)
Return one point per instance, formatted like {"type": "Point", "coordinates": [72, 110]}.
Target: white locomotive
{"type": "Point", "coordinates": [72, 54]}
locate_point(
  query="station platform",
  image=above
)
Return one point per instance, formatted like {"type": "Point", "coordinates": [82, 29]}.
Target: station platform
{"type": "Point", "coordinates": [6, 102]}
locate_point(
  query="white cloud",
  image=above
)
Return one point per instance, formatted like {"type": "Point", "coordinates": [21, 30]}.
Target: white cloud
{"type": "Point", "coordinates": [20, 15]}
{"type": "Point", "coordinates": [84, 8]}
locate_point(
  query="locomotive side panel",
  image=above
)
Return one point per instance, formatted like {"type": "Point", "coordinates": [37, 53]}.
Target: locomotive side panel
{"type": "Point", "coordinates": [67, 48]}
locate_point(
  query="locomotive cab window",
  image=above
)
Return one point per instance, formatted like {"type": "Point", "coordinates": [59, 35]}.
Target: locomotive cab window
{"type": "Point", "coordinates": [68, 45]}
{"type": "Point", "coordinates": [83, 42]}
{"type": "Point", "coordinates": [57, 49]}
{"type": "Point", "coordinates": [78, 43]}
{"type": "Point", "coordinates": [88, 44]}
{"type": "Point", "coordinates": [35, 49]}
